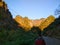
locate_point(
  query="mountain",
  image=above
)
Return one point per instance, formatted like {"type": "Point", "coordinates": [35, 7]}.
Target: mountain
{"type": "Point", "coordinates": [6, 19]}
{"type": "Point", "coordinates": [13, 31]}
{"type": "Point", "coordinates": [10, 32]}
{"type": "Point", "coordinates": [37, 22]}
{"type": "Point", "coordinates": [53, 30]}
{"type": "Point", "coordinates": [26, 23]}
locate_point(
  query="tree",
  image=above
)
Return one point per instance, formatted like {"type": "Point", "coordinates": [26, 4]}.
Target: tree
{"type": "Point", "coordinates": [57, 11]}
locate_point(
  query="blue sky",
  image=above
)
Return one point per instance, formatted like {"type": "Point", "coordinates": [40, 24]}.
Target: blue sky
{"type": "Point", "coordinates": [33, 9]}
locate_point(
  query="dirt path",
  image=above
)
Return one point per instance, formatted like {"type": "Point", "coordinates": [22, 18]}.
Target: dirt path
{"type": "Point", "coordinates": [51, 41]}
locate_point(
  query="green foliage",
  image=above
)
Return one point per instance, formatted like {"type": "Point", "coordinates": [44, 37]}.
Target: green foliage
{"type": "Point", "coordinates": [16, 37]}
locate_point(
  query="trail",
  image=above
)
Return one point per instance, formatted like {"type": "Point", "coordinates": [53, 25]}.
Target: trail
{"type": "Point", "coordinates": [51, 41]}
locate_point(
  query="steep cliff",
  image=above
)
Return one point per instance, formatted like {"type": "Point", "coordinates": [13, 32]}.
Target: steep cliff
{"type": "Point", "coordinates": [27, 23]}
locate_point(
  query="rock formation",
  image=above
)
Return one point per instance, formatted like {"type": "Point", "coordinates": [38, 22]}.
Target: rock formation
{"type": "Point", "coordinates": [26, 23]}
{"type": "Point", "coordinates": [37, 22]}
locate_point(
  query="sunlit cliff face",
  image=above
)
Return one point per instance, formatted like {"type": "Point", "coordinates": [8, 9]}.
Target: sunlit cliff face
{"type": "Point", "coordinates": [27, 23]}
{"type": "Point", "coordinates": [24, 22]}
{"type": "Point", "coordinates": [37, 22]}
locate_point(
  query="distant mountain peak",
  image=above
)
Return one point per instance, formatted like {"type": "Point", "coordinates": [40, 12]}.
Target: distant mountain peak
{"type": "Point", "coordinates": [21, 20]}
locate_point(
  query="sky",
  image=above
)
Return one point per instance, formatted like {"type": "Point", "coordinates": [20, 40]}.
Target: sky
{"type": "Point", "coordinates": [33, 9]}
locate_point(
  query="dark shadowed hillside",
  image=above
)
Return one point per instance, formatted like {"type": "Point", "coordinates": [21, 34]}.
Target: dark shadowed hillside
{"type": "Point", "coordinates": [6, 20]}
{"type": "Point", "coordinates": [10, 32]}
{"type": "Point", "coordinates": [53, 30]}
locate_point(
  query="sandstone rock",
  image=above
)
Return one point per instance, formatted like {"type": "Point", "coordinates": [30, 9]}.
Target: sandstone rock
{"type": "Point", "coordinates": [27, 23]}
